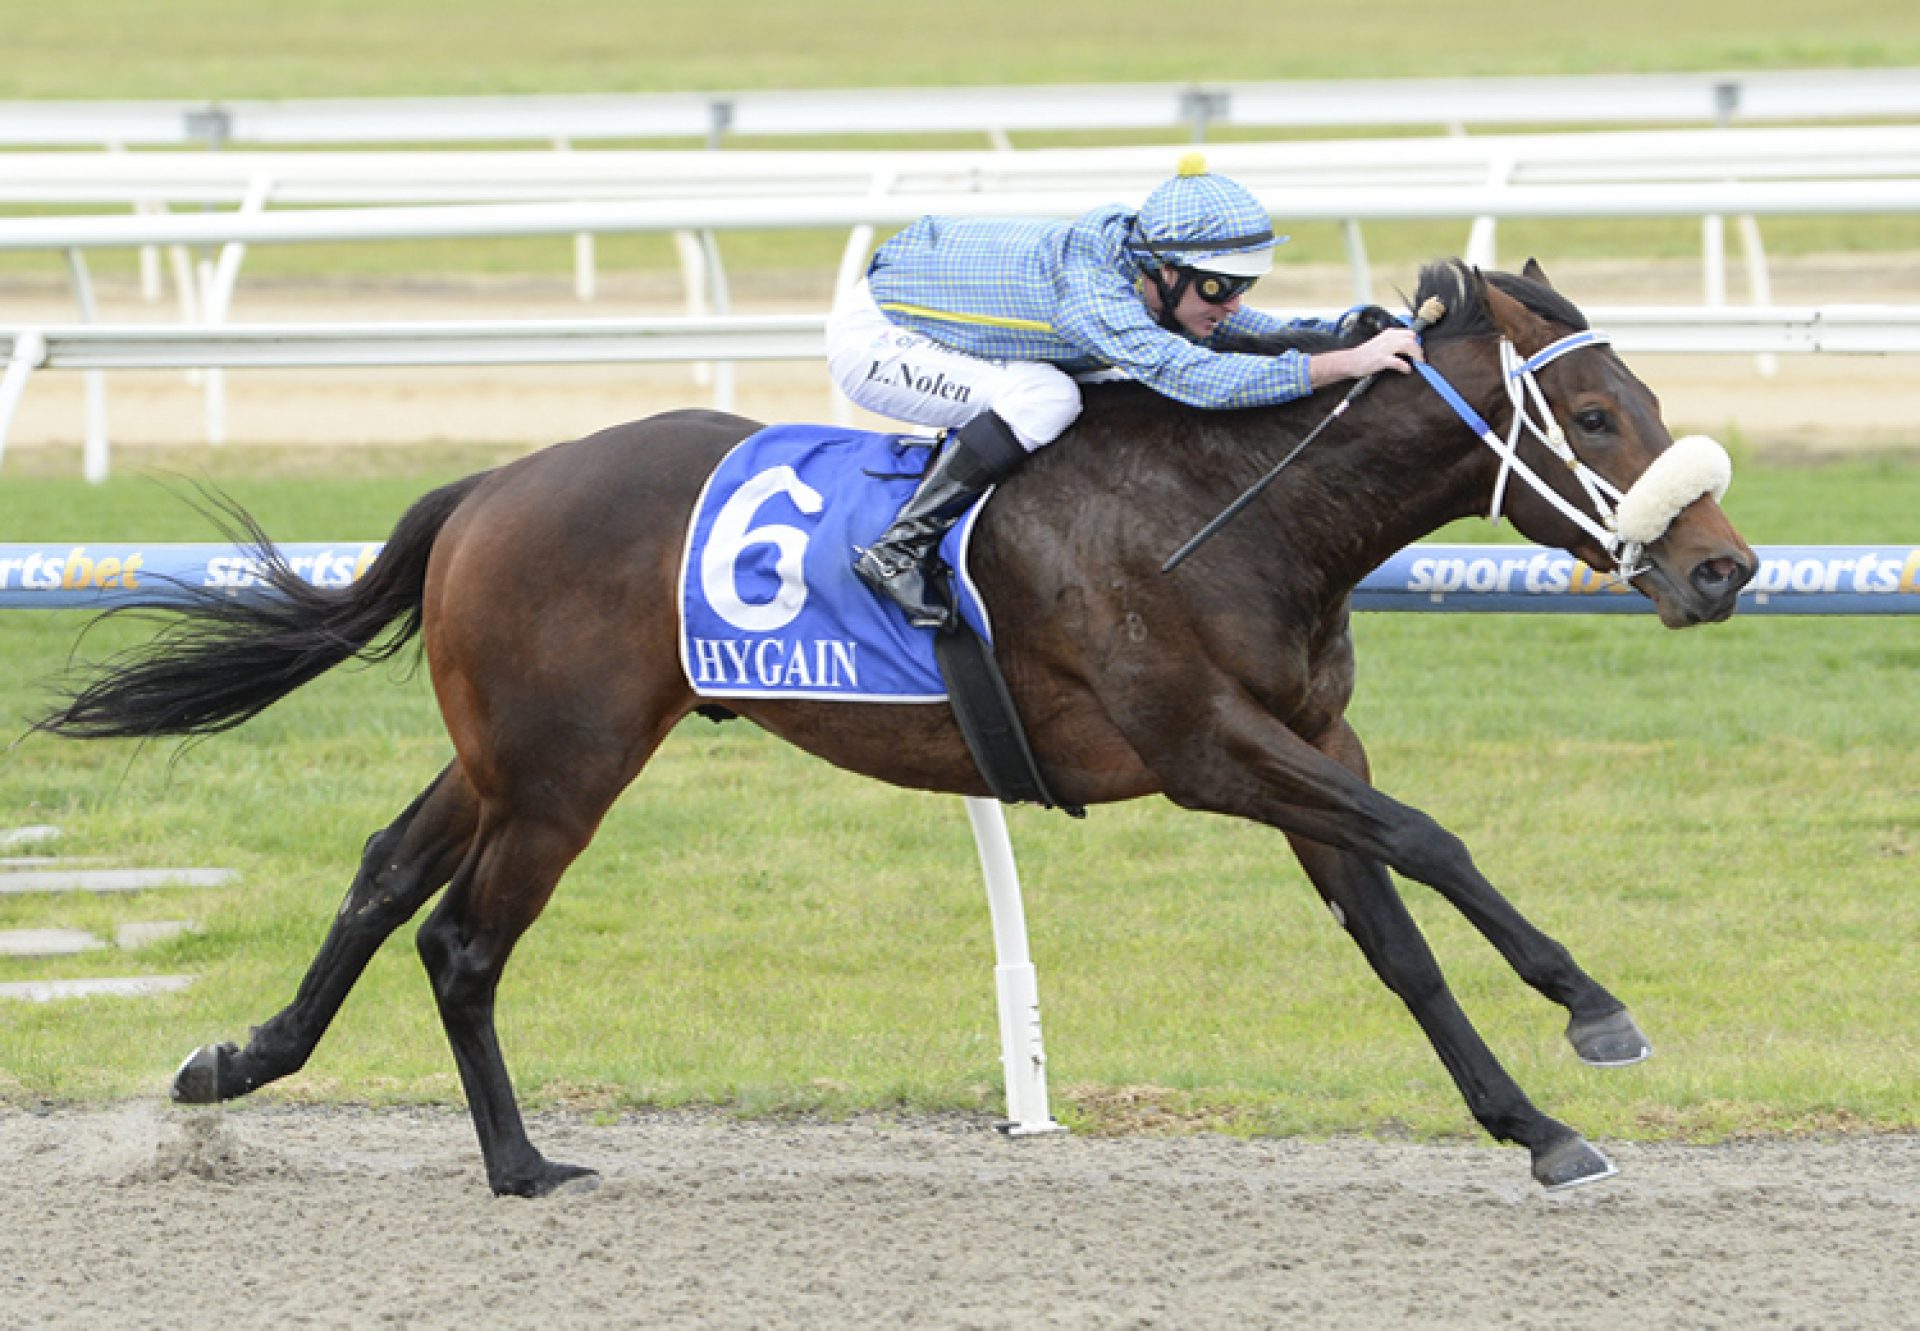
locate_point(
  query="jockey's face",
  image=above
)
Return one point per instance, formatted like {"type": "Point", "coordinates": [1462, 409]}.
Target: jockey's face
{"type": "Point", "coordinates": [1197, 316]}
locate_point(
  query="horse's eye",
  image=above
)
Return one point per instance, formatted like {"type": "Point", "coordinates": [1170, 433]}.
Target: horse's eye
{"type": "Point", "coordinates": [1593, 420]}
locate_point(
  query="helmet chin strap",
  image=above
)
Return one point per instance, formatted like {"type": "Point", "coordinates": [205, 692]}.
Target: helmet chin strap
{"type": "Point", "coordinates": [1171, 293]}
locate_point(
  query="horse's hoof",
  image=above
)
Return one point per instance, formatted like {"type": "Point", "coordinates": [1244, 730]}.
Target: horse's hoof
{"type": "Point", "coordinates": [1571, 1163]}
{"type": "Point", "coordinates": [578, 1183]}
{"type": "Point", "coordinates": [551, 1181]}
{"type": "Point", "coordinates": [1612, 1041]}
{"type": "Point", "coordinates": [198, 1080]}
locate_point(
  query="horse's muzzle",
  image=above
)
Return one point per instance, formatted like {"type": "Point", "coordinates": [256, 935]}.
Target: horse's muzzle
{"type": "Point", "coordinates": [1709, 593]}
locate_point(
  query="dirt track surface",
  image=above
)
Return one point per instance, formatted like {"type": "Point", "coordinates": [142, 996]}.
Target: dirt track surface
{"type": "Point", "coordinates": [269, 1216]}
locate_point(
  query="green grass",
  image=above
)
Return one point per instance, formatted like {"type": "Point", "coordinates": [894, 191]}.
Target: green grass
{"type": "Point", "coordinates": [1718, 822]}
{"type": "Point", "coordinates": [226, 48]}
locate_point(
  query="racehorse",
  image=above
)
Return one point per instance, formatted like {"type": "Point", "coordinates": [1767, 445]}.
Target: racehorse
{"type": "Point", "coordinates": [544, 594]}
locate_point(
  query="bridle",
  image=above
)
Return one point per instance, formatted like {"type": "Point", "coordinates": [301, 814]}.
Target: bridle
{"type": "Point", "coordinates": [1623, 522]}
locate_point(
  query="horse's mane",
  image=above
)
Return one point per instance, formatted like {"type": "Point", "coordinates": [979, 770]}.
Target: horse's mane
{"type": "Point", "coordinates": [1467, 314]}
{"type": "Point", "coordinates": [1309, 340]}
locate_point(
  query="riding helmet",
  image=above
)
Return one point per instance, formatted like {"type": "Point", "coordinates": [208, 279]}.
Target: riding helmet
{"type": "Point", "coordinates": [1203, 221]}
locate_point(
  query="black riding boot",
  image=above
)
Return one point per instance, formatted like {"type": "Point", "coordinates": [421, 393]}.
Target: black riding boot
{"type": "Point", "coordinates": [903, 565]}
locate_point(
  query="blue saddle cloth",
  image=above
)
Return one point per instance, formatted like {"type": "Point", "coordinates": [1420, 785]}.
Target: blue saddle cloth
{"type": "Point", "coordinates": [769, 604]}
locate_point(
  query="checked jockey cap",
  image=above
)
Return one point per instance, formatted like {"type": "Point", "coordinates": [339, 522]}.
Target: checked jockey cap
{"type": "Point", "coordinates": [1206, 223]}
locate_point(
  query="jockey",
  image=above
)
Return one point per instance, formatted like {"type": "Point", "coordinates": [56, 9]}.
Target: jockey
{"type": "Point", "coordinates": [979, 326]}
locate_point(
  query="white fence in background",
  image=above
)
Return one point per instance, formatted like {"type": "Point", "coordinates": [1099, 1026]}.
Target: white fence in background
{"type": "Point", "coordinates": [96, 348]}
{"type": "Point", "coordinates": [1719, 98]}
{"type": "Point", "coordinates": [483, 176]}
{"type": "Point", "coordinates": [777, 211]}
{"type": "Point", "coordinates": [254, 181]}
{"type": "Point", "coordinates": [860, 213]}
{"type": "Point", "coordinates": [1747, 174]}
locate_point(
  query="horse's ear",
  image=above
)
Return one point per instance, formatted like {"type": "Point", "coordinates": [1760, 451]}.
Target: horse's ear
{"type": "Point", "coordinates": [1533, 272]}
{"type": "Point", "coordinates": [1516, 322]}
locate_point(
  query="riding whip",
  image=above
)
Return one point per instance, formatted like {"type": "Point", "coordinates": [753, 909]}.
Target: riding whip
{"type": "Point", "coordinates": [1431, 311]}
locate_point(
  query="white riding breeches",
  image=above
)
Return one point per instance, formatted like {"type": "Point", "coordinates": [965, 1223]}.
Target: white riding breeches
{"type": "Point", "coordinates": [911, 377]}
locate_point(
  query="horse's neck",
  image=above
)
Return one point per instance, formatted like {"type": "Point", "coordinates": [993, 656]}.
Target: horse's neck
{"type": "Point", "coordinates": [1142, 474]}
{"type": "Point", "coordinates": [1405, 468]}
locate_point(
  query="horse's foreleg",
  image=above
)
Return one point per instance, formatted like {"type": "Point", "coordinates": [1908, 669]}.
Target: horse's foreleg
{"type": "Point", "coordinates": [1346, 833]}
{"type": "Point", "coordinates": [1362, 898]}
{"type": "Point", "coordinates": [1599, 1026]}
{"type": "Point", "coordinates": [402, 866]}
{"type": "Point", "coordinates": [496, 895]}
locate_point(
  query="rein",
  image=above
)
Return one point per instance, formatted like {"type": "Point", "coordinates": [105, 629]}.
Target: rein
{"type": "Point", "coordinates": [1624, 523]}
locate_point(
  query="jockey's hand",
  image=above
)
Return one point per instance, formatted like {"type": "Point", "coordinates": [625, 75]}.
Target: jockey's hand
{"type": "Point", "coordinates": [1395, 349]}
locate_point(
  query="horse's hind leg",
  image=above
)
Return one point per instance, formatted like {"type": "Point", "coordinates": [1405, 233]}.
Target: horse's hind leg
{"type": "Point", "coordinates": [402, 866]}
{"type": "Point", "coordinates": [496, 894]}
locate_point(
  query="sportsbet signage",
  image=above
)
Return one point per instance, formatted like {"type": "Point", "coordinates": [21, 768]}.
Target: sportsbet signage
{"type": "Point", "coordinates": [83, 574]}
{"type": "Point", "coordinates": [1793, 579]}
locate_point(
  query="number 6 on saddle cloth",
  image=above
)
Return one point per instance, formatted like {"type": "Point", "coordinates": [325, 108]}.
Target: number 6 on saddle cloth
{"type": "Point", "coordinates": [770, 607]}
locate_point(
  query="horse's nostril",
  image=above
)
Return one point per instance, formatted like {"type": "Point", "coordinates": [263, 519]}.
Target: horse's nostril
{"type": "Point", "coordinates": [1717, 577]}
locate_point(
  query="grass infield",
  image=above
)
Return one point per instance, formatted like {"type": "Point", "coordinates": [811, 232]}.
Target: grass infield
{"type": "Point", "coordinates": [1718, 822]}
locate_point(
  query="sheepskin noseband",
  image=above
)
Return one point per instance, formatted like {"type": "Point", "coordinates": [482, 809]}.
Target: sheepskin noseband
{"type": "Point", "coordinates": [1692, 467]}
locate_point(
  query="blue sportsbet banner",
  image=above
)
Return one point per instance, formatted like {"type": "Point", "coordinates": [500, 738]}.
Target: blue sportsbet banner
{"type": "Point", "coordinates": [83, 574]}
{"type": "Point", "coordinates": [1793, 579]}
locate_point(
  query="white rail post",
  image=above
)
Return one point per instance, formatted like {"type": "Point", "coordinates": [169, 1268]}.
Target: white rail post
{"type": "Point", "coordinates": [216, 299]}
{"type": "Point", "coordinates": [94, 453]}
{"type": "Point", "coordinates": [719, 121]}
{"type": "Point", "coordinates": [1483, 235]}
{"type": "Point", "coordinates": [1021, 1053]}
{"type": "Point", "coordinates": [724, 370]}
{"type": "Point", "coordinates": [149, 254]}
{"type": "Point", "coordinates": [1713, 227]}
{"type": "Point", "coordinates": [852, 260]}
{"type": "Point", "coordinates": [1358, 267]}
{"type": "Point", "coordinates": [584, 277]}
{"type": "Point", "coordinates": [29, 354]}
{"type": "Point", "coordinates": [1713, 258]}
{"type": "Point", "coordinates": [853, 263]}
{"type": "Point", "coordinates": [693, 281]}
{"type": "Point", "coordinates": [1759, 284]}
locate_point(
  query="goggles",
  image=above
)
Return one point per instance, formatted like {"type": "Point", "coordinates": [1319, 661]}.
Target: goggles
{"type": "Point", "coordinates": [1220, 288]}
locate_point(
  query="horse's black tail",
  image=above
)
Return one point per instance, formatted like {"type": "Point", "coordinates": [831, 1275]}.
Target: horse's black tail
{"type": "Point", "coordinates": [222, 659]}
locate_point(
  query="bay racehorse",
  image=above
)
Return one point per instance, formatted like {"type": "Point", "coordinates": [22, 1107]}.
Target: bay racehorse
{"type": "Point", "coordinates": [544, 593]}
